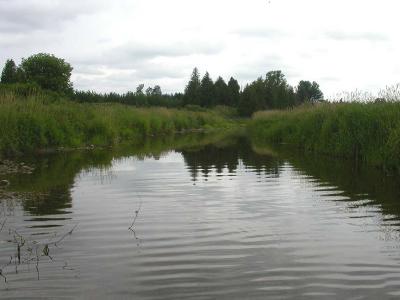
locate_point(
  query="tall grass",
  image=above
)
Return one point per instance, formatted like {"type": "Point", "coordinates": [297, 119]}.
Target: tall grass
{"type": "Point", "coordinates": [37, 122]}
{"type": "Point", "coordinates": [369, 132]}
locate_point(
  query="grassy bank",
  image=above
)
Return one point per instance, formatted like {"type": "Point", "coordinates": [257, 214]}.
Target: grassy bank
{"type": "Point", "coordinates": [368, 132]}
{"type": "Point", "coordinates": [39, 122]}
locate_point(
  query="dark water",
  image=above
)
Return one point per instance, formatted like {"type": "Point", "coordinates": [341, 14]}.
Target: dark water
{"type": "Point", "coordinates": [216, 219]}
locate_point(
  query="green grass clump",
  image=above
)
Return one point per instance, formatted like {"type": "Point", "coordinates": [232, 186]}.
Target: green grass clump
{"type": "Point", "coordinates": [368, 132]}
{"type": "Point", "coordinates": [29, 123]}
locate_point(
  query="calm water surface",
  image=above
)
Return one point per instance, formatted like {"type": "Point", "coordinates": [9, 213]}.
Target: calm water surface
{"type": "Point", "coordinates": [218, 219]}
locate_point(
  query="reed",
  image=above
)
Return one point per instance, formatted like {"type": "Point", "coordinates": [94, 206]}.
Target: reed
{"type": "Point", "coordinates": [40, 122]}
{"type": "Point", "coordinates": [368, 132]}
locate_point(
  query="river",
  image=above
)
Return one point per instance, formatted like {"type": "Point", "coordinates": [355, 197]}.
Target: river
{"type": "Point", "coordinates": [210, 218]}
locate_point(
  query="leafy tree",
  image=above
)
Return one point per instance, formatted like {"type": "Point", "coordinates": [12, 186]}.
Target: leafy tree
{"type": "Point", "coordinates": [207, 91]}
{"type": "Point", "coordinates": [139, 90]}
{"type": "Point", "coordinates": [9, 74]}
{"type": "Point", "coordinates": [156, 91]}
{"type": "Point", "coordinates": [192, 89]}
{"type": "Point", "coordinates": [149, 91]}
{"type": "Point", "coordinates": [140, 97]}
{"type": "Point", "coordinates": [233, 91]}
{"type": "Point", "coordinates": [221, 92]}
{"type": "Point", "coordinates": [252, 98]}
{"type": "Point", "coordinates": [48, 71]}
{"type": "Point", "coordinates": [308, 92]}
{"type": "Point", "coordinates": [20, 76]}
{"type": "Point", "coordinates": [155, 96]}
{"type": "Point", "coordinates": [278, 93]}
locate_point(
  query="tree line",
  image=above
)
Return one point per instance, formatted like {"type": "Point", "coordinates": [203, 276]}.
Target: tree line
{"type": "Point", "coordinates": [47, 72]}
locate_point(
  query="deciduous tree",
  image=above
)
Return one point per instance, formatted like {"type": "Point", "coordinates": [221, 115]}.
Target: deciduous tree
{"type": "Point", "coordinates": [48, 71]}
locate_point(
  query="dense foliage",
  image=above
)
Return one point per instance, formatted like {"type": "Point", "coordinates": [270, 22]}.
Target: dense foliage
{"type": "Point", "coordinates": [368, 132]}
{"type": "Point", "coordinates": [50, 73]}
{"type": "Point", "coordinates": [9, 74]}
{"type": "Point", "coordinates": [38, 122]}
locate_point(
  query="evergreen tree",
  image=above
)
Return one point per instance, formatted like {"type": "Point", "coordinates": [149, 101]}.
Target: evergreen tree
{"type": "Point", "coordinates": [207, 92]}
{"type": "Point", "coordinates": [234, 92]}
{"type": "Point", "coordinates": [221, 92]}
{"type": "Point", "coordinates": [9, 74]}
{"type": "Point", "coordinates": [192, 89]}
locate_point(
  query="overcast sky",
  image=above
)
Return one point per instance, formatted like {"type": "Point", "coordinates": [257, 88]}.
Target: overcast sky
{"type": "Point", "coordinates": [115, 45]}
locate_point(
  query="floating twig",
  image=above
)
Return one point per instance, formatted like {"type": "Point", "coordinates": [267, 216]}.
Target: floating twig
{"type": "Point", "coordinates": [136, 216]}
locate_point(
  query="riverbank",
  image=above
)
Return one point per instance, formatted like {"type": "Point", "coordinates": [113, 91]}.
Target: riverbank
{"type": "Point", "coordinates": [35, 123]}
{"type": "Point", "coordinates": [366, 132]}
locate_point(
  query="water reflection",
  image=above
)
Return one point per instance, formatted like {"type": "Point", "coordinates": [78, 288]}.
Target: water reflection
{"type": "Point", "coordinates": [361, 185]}
{"type": "Point", "coordinates": [47, 192]}
{"type": "Point", "coordinates": [228, 155]}
{"type": "Point", "coordinates": [215, 216]}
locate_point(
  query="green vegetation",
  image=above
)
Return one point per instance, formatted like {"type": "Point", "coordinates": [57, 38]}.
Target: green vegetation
{"type": "Point", "coordinates": [9, 73]}
{"type": "Point", "coordinates": [368, 132]}
{"type": "Point", "coordinates": [42, 121]}
{"type": "Point", "coordinates": [47, 72]}
{"type": "Point", "coordinates": [273, 92]}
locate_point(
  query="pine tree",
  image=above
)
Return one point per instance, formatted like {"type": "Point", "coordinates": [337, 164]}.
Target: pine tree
{"type": "Point", "coordinates": [234, 92]}
{"type": "Point", "coordinates": [221, 92]}
{"type": "Point", "coordinates": [9, 74]}
{"type": "Point", "coordinates": [192, 89]}
{"type": "Point", "coordinates": [207, 92]}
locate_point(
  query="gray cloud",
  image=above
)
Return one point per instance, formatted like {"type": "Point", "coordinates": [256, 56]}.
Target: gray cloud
{"type": "Point", "coordinates": [126, 80]}
{"type": "Point", "coordinates": [24, 16]}
{"type": "Point", "coordinates": [132, 54]}
{"type": "Point", "coordinates": [249, 71]}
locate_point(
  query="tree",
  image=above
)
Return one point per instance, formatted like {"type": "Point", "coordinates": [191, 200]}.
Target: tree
{"type": "Point", "coordinates": [192, 89]}
{"type": "Point", "coordinates": [156, 91]}
{"type": "Point", "coordinates": [149, 91]}
{"type": "Point", "coordinates": [139, 90]}
{"type": "Point", "coordinates": [154, 96]}
{"type": "Point", "coordinates": [221, 92]}
{"type": "Point", "coordinates": [20, 76]}
{"type": "Point", "coordinates": [233, 91]}
{"type": "Point", "coordinates": [9, 74]}
{"type": "Point", "coordinates": [308, 92]}
{"type": "Point", "coordinates": [207, 92]}
{"type": "Point", "coordinates": [48, 71]}
{"type": "Point", "coordinates": [252, 98]}
{"type": "Point", "coordinates": [278, 93]}
{"type": "Point", "coordinates": [140, 97]}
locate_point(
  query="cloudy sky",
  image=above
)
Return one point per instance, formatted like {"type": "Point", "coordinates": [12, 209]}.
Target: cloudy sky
{"type": "Point", "coordinates": [115, 45]}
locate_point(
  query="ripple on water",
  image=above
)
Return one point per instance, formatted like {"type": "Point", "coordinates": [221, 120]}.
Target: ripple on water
{"type": "Point", "coordinates": [253, 227]}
